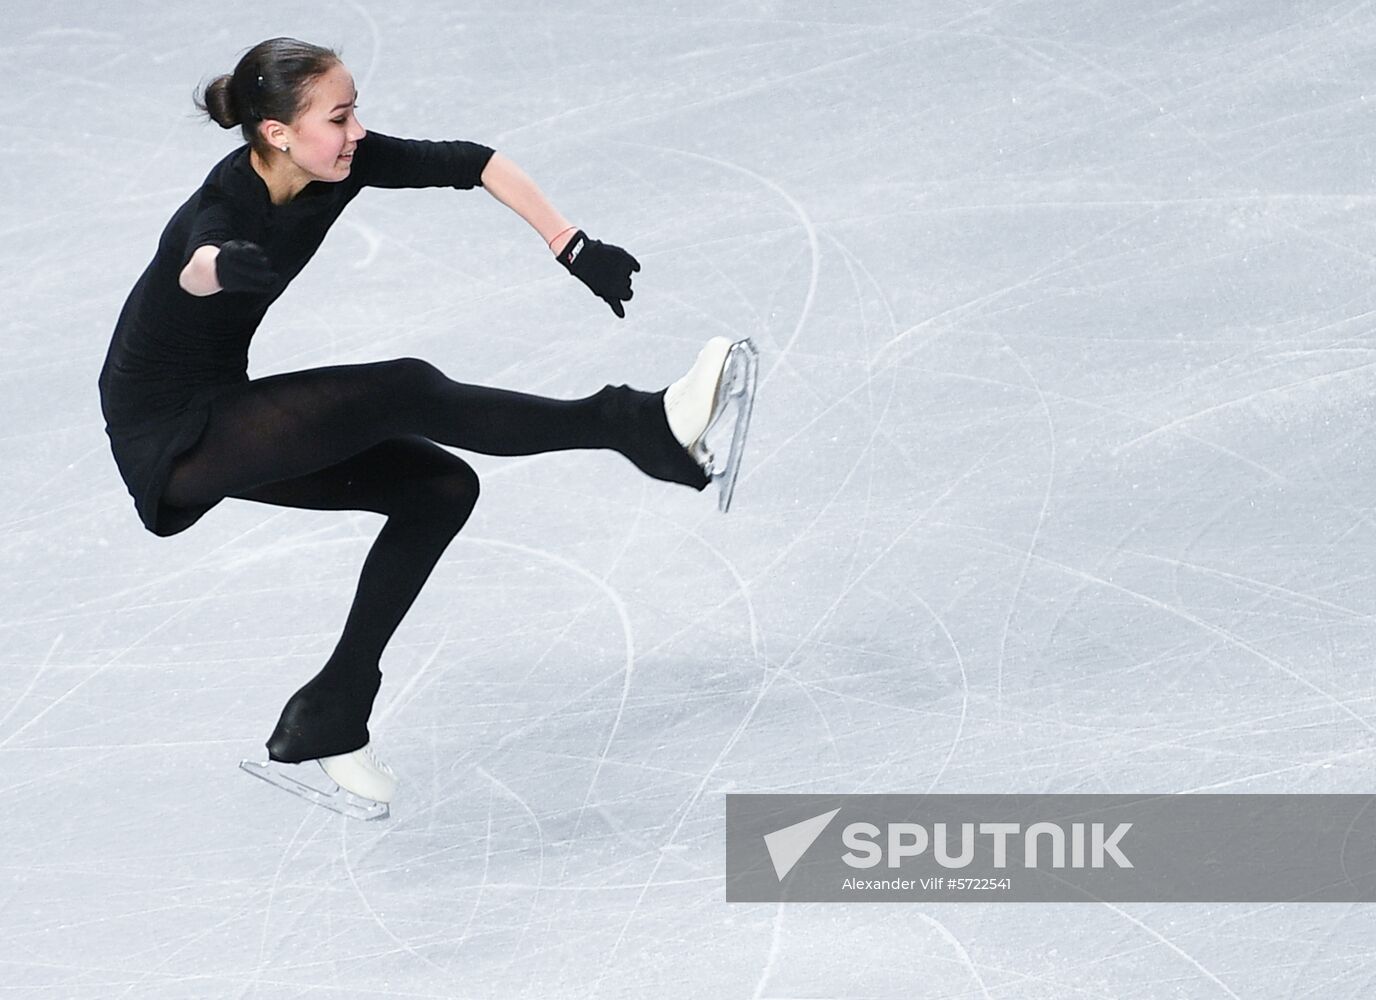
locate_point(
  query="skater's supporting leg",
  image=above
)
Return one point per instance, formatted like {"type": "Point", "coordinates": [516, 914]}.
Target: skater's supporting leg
{"type": "Point", "coordinates": [288, 426]}
{"type": "Point", "coordinates": [427, 494]}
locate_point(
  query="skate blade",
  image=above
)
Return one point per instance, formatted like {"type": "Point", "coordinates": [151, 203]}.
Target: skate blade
{"type": "Point", "coordinates": [736, 396]}
{"type": "Point", "coordinates": [310, 782]}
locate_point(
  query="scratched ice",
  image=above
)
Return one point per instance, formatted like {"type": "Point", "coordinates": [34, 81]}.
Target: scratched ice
{"type": "Point", "coordinates": [1061, 481]}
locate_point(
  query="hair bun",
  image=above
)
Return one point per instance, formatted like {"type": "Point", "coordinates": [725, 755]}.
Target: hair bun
{"type": "Point", "coordinates": [218, 104]}
{"type": "Point", "coordinates": [272, 82]}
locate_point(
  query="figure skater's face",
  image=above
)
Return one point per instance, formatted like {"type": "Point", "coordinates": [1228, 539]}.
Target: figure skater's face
{"type": "Point", "coordinates": [322, 140]}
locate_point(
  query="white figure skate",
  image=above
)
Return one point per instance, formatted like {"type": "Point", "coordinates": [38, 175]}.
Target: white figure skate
{"type": "Point", "coordinates": [354, 784]}
{"type": "Point", "coordinates": [715, 398]}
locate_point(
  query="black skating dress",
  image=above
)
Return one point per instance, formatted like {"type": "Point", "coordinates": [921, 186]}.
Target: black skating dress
{"type": "Point", "coordinates": [173, 352]}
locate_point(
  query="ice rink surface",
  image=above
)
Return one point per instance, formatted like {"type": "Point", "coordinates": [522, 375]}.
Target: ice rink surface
{"type": "Point", "coordinates": [1061, 481]}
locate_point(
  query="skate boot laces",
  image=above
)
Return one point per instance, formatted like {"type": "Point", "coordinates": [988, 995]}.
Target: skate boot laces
{"type": "Point", "coordinates": [362, 773]}
{"type": "Point", "coordinates": [693, 403]}
{"type": "Point", "coordinates": [371, 757]}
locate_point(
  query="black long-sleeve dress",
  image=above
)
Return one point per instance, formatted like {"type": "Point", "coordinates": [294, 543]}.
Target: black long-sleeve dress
{"type": "Point", "coordinates": [172, 352]}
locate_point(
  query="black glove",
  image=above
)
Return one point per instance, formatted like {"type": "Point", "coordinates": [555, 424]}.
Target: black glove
{"type": "Point", "coordinates": [602, 267]}
{"type": "Point", "coordinates": [242, 266]}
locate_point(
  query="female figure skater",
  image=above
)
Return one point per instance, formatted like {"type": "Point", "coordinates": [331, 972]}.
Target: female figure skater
{"type": "Point", "coordinates": [188, 428]}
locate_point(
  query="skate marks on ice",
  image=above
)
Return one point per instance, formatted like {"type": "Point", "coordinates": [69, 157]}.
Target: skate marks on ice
{"type": "Point", "coordinates": [1061, 481]}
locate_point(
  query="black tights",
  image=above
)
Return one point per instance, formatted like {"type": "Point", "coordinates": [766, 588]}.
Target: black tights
{"type": "Point", "coordinates": [362, 437]}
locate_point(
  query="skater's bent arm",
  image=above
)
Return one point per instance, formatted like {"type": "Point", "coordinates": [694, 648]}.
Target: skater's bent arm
{"type": "Point", "coordinates": [509, 184]}
{"type": "Point", "coordinates": [198, 277]}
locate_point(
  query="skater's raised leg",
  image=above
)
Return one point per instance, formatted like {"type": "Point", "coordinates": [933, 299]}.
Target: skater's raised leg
{"type": "Point", "coordinates": [288, 426]}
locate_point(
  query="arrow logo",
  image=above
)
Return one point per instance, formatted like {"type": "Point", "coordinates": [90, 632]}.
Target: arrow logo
{"type": "Point", "coordinates": [787, 846]}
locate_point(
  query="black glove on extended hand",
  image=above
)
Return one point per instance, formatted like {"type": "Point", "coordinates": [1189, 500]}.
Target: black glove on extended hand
{"type": "Point", "coordinates": [242, 266]}
{"type": "Point", "coordinates": [602, 267]}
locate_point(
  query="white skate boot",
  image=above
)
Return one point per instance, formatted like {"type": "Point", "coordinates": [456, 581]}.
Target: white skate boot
{"type": "Point", "coordinates": [354, 784]}
{"type": "Point", "coordinates": [717, 393]}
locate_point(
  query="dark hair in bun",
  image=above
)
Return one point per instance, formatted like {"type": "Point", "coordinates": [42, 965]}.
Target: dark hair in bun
{"type": "Point", "coordinates": [271, 81]}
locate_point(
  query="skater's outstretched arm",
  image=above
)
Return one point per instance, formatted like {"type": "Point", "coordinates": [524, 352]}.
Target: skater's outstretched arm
{"type": "Point", "coordinates": [509, 184]}
{"type": "Point", "coordinates": [604, 268]}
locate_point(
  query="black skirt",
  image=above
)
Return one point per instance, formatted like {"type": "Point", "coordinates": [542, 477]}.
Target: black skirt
{"type": "Point", "coordinates": [146, 451]}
